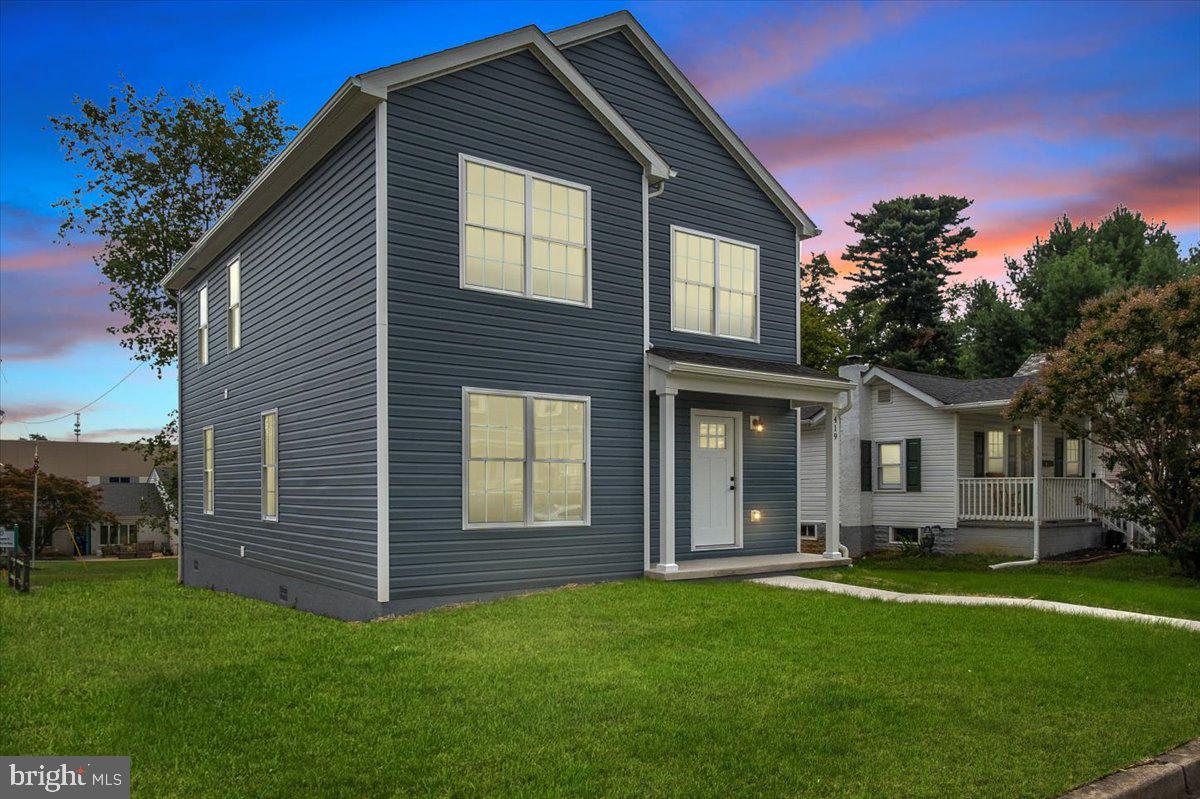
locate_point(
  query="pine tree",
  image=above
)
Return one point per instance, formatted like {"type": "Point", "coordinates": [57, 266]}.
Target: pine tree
{"type": "Point", "coordinates": [905, 255]}
{"type": "Point", "coordinates": [815, 279]}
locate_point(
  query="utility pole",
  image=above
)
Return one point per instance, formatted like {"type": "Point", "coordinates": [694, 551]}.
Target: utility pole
{"type": "Point", "coordinates": [76, 428]}
{"type": "Point", "coordinates": [33, 532]}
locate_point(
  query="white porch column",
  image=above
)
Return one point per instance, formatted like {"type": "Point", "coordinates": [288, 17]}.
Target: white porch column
{"type": "Point", "coordinates": [666, 480]}
{"type": "Point", "coordinates": [1085, 445]}
{"type": "Point", "coordinates": [1037, 487]}
{"type": "Point", "coordinates": [833, 470]}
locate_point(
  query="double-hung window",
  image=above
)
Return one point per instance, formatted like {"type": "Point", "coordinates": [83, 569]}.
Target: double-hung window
{"type": "Point", "coordinates": [524, 234]}
{"type": "Point", "coordinates": [714, 285]}
{"type": "Point", "coordinates": [525, 459]}
{"type": "Point", "coordinates": [269, 466]}
{"type": "Point", "coordinates": [891, 466]}
{"type": "Point", "coordinates": [1073, 457]}
{"type": "Point", "coordinates": [209, 471]}
{"type": "Point", "coordinates": [203, 297]}
{"type": "Point", "coordinates": [118, 534]}
{"type": "Point", "coordinates": [995, 454]}
{"type": "Point", "coordinates": [235, 303]}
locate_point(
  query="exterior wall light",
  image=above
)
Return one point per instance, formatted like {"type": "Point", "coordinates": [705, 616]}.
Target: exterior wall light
{"type": "Point", "coordinates": [756, 424]}
{"type": "Point", "coordinates": [756, 515]}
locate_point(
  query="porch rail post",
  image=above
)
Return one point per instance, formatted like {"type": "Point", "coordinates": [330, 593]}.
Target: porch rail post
{"type": "Point", "coordinates": [833, 459]}
{"type": "Point", "coordinates": [666, 480]}
{"type": "Point", "coordinates": [1037, 487]}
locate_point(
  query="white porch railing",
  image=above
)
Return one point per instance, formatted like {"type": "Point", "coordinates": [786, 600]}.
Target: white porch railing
{"type": "Point", "coordinates": [1108, 497]}
{"type": "Point", "coordinates": [1011, 498]}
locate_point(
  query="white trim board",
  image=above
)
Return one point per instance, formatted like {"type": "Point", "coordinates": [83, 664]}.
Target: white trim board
{"type": "Point", "coordinates": [625, 22]}
{"type": "Point", "coordinates": [383, 587]}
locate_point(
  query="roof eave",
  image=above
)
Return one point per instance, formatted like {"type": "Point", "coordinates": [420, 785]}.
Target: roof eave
{"type": "Point", "coordinates": [708, 370]}
{"type": "Point", "coordinates": [625, 22]}
{"type": "Point", "coordinates": [348, 106]}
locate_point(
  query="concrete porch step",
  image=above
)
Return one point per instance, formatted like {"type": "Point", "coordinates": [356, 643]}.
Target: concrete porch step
{"type": "Point", "coordinates": [745, 564]}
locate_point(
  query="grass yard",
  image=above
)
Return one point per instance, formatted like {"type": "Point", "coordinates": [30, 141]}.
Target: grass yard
{"type": "Point", "coordinates": [637, 689]}
{"type": "Point", "coordinates": [1141, 583]}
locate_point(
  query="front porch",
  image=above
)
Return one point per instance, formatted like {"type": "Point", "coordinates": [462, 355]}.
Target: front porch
{"type": "Point", "coordinates": [724, 465]}
{"type": "Point", "coordinates": [746, 564]}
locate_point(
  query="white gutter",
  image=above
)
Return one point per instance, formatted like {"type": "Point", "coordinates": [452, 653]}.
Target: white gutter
{"type": "Point", "coordinates": [1013, 564]}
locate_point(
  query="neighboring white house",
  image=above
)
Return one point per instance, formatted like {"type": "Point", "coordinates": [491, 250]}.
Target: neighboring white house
{"type": "Point", "coordinates": [922, 454]}
{"type": "Point", "coordinates": [129, 487]}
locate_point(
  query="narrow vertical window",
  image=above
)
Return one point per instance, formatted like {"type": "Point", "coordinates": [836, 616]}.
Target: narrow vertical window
{"type": "Point", "coordinates": [270, 466]}
{"type": "Point", "coordinates": [209, 471]}
{"type": "Point", "coordinates": [715, 285]}
{"type": "Point", "coordinates": [559, 458]}
{"type": "Point", "coordinates": [494, 230]}
{"type": "Point", "coordinates": [559, 244]}
{"type": "Point", "coordinates": [995, 453]}
{"type": "Point", "coordinates": [203, 325]}
{"type": "Point", "coordinates": [891, 469]}
{"type": "Point", "coordinates": [1073, 458]}
{"type": "Point", "coordinates": [235, 303]}
{"type": "Point", "coordinates": [495, 459]}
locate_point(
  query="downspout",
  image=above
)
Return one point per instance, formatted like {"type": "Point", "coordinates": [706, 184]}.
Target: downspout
{"type": "Point", "coordinates": [837, 420]}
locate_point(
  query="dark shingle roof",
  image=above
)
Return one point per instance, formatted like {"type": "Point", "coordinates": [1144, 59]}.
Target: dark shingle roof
{"type": "Point", "coordinates": [125, 499]}
{"type": "Point", "coordinates": [953, 391]}
{"type": "Point", "coordinates": [741, 362]}
{"type": "Point", "coordinates": [810, 411]}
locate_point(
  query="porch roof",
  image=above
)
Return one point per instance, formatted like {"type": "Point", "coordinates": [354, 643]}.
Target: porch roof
{"type": "Point", "coordinates": [954, 391]}
{"type": "Point", "coordinates": [675, 369]}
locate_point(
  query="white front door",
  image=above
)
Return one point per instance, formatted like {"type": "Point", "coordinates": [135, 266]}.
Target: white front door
{"type": "Point", "coordinates": [716, 492]}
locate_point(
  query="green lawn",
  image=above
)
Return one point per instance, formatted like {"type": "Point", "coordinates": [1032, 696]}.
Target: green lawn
{"type": "Point", "coordinates": [637, 688]}
{"type": "Point", "coordinates": [1142, 583]}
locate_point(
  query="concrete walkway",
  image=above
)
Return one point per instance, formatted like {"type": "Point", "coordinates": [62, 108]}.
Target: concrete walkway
{"type": "Point", "coordinates": [809, 584]}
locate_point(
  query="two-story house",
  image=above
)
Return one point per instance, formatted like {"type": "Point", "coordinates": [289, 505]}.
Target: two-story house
{"type": "Point", "coordinates": [512, 315]}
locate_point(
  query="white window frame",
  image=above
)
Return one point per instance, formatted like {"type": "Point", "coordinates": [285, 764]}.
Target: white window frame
{"type": "Point", "coordinates": [879, 445]}
{"type": "Point", "coordinates": [262, 465]}
{"type": "Point", "coordinates": [202, 330]}
{"type": "Point", "coordinates": [716, 240]}
{"type": "Point", "coordinates": [1078, 460]}
{"type": "Point", "coordinates": [233, 308]}
{"type": "Point", "coordinates": [816, 530]}
{"type": "Point", "coordinates": [527, 499]}
{"type": "Point", "coordinates": [529, 175]}
{"type": "Point", "coordinates": [208, 485]}
{"type": "Point", "coordinates": [987, 450]}
{"type": "Point", "coordinates": [892, 534]}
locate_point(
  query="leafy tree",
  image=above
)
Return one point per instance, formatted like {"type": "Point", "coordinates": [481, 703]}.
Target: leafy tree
{"type": "Point", "coordinates": [815, 279]}
{"type": "Point", "coordinates": [35, 437]}
{"type": "Point", "coordinates": [1076, 263]}
{"type": "Point", "coordinates": [1133, 368]}
{"type": "Point", "coordinates": [161, 450]}
{"type": "Point", "coordinates": [60, 501]}
{"type": "Point", "coordinates": [155, 173]}
{"type": "Point", "coordinates": [905, 253]}
{"type": "Point", "coordinates": [822, 345]}
{"type": "Point", "coordinates": [992, 334]}
{"type": "Point", "coordinates": [858, 322]}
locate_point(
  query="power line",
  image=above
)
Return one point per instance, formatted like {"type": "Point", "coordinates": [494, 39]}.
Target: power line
{"type": "Point", "coordinates": [82, 408]}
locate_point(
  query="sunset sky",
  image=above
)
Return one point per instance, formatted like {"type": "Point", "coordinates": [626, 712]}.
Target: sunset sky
{"type": "Point", "coordinates": [1030, 109]}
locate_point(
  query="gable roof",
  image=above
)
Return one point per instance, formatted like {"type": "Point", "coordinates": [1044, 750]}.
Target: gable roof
{"type": "Point", "coordinates": [952, 390]}
{"type": "Point", "coordinates": [361, 94]}
{"type": "Point", "coordinates": [131, 499]}
{"type": "Point", "coordinates": [624, 22]}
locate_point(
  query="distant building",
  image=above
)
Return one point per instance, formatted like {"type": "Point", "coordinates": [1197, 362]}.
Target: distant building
{"type": "Point", "coordinates": [129, 485]}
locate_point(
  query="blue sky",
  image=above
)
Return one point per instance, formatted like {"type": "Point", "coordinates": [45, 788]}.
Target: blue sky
{"type": "Point", "coordinates": [1032, 109]}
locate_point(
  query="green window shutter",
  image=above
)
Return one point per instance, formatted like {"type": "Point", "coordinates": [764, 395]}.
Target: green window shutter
{"type": "Point", "coordinates": [979, 444]}
{"type": "Point", "coordinates": [1058, 457]}
{"type": "Point", "coordinates": [864, 458]}
{"type": "Point", "coordinates": [912, 464]}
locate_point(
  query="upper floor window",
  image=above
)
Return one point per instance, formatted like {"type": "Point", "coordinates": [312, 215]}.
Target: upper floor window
{"type": "Point", "coordinates": [203, 325]}
{"type": "Point", "coordinates": [269, 464]}
{"type": "Point", "coordinates": [714, 285]}
{"type": "Point", "coordinates": [523, 233]}
{"type": "Point", "coordinates": [525, 459]}
{"type": "Point", "coordinates": [235, 303]}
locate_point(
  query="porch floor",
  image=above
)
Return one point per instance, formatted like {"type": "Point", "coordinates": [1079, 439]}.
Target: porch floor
{"type": "Point", "coordinates": [746, 564]}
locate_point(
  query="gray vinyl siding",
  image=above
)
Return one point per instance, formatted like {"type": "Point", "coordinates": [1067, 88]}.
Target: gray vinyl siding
{"type": "Point", "coordinates": [307, 280]}
{"type": "Point", "coordinates": [711, 193]}
{"type": "Point", "coordinates": [443, 338]}
{"type": "Point", "coordinates": [768, 475]}
{"type": "Point", "coordinates": [908, 417]}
